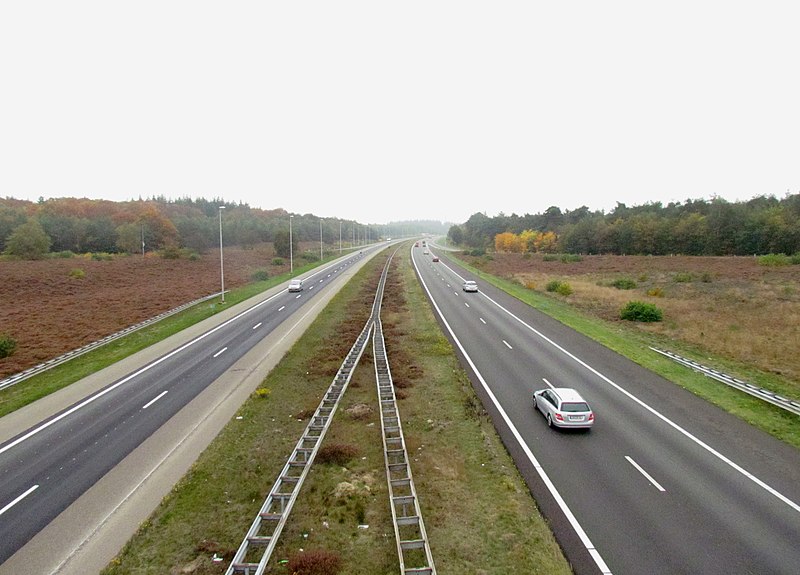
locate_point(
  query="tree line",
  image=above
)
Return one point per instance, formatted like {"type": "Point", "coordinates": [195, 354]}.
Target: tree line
{"type": "Point", "coordinates": [34, 229]}
{"type": "Point", "coordinates": [762, 225]}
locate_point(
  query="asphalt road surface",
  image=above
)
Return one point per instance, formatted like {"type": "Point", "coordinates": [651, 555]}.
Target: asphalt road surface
{"type": "Point", "coordinates": [665, 483]}
{"type": "Point", "coordinates": [48, 466]}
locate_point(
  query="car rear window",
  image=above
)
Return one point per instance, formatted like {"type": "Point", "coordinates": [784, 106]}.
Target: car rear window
{"type": "Point", "coordinates": [578, 406]}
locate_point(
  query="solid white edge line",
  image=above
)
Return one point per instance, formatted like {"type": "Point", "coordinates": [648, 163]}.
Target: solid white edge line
{"type": "Point", "coordinates": [133, 375]}
{"type": "Point", "coordinates": [18, 499]}
{"type": "Point", "coordinates": [550, 385]}
{"type": "Point", "coordinates": [587, 543]}
{"type": "Point", "coordinates": [220, 352]}
{"type": "Point", "coordinates": [166, 457]}
{"type": "Point", "coordinates": [659, 415]}
{"type": "Point", "coordinates": [643, 472]}
{"type": "Point", "coordinates": [152, 401]}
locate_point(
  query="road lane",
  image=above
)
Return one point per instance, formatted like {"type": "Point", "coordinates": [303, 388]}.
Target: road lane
{"type": "Point", "coordinates": [70, 451]}
{"type": "Point", "coordinates": [711, 518]}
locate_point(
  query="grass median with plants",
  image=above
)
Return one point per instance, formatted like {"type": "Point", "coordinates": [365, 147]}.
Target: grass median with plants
{"type": "Point", "coordinates": [478, 513]}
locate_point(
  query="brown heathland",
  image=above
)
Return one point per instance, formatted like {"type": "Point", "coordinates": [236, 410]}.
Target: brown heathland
{"type": "Point", "coordinates": [49, 311]}
{"type": "Point", "coordinates": [730, 306]}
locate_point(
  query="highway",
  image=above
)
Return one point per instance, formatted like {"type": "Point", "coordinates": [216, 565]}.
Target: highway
{"type": "Point", "coordinates": [665, 483]}
{"type": "Point", "coordinates": [52, 463]}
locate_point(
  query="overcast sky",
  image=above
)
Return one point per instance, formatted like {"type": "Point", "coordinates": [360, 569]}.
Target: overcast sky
{"type": "Point", "coordinates": [379, 111]}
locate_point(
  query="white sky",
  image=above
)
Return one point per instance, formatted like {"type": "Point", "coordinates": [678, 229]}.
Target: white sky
{"type": "Point", "coordinates": [379, 111]}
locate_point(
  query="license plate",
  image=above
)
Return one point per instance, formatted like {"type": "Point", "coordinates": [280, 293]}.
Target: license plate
{"type": "Point", "coordinates": [576, 418]}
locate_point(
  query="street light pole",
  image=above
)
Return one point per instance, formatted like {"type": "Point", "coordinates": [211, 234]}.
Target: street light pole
{"type": "Point", "coordinates": [340, 237]}
{"type": "Point", "coordinates": [291, 259]}
{"type": "Point", "coordinates": [320, 239]}
{"type": "Point", "coordinates": [221, 261]}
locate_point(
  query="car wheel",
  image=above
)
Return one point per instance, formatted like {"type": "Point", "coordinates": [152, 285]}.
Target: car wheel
{"type": "Point", "coordinates": [534, 403]}
{"type": "Point", "coordinates": [549, 421]}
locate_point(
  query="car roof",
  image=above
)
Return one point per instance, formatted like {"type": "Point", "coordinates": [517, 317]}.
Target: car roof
{"type": "Point", "coordinates": [568, 394]}
{"type": "Point", "coordinates": [470, 282]}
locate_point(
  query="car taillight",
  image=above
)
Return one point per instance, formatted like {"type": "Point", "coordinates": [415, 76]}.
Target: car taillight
{"type": "Point", "coordinates": [591, 417]}
{"type": "Point", "coordinates": [559, 417]}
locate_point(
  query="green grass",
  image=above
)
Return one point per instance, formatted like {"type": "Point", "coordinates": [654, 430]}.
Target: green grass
{"type": "Point", "coordinates": [477, 510]}
{"type": "Point", "coordinates": [635, 345]}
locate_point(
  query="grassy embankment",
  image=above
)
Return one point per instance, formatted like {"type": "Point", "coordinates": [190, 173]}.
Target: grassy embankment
{"type": "Point", "coordinates": [477, 510]}
{"type": "Point", "coordinates": [635, 345]}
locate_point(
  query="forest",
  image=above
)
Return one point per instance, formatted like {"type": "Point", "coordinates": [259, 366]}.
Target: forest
{"type": "Point", "coordinates": [32, 230]}
{"type": "Point", "coordinates": [762, 225]}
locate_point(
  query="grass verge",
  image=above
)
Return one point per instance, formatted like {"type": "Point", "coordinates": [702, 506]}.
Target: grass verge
{"type": "Point", "coordinates": [635, 345]}
{"type": "Point", "coordinates": [477, 510]}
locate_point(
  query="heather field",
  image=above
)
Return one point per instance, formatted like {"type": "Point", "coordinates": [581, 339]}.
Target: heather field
{"type": "Point", "coordinates": [53, 306]}
{"type": "Point", "coordinates": [730, 307]}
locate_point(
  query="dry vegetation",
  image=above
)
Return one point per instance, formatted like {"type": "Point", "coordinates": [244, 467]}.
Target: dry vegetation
{"type": "Point", "coordinates": [50, 309]}
{"type": "Point", "coordinates": [730, 306]}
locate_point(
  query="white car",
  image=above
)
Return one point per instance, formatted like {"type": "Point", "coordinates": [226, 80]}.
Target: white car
{"type": "Point", "coordinates": [563, 407]}
{"type": "Point", "coordinates": [470, 285]}
{"type": "Point", "coordinates": [296, 285]}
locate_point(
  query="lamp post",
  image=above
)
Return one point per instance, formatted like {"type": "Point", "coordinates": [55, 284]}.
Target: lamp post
{"type": "Point", "coordinates": [340, 237]}
{"type": "Point", "coordinates": [320, 239]}
{"type": "Point", "coordinates": [221, 262]}
{"type": "Point", "coordinates": [291, 259]}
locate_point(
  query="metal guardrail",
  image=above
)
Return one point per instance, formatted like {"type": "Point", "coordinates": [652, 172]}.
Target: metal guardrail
{"type": "Point", "coordinates": [256, 549]}
{"type": "Point", "coordinates": [413, 546]}
{"type": "Point", "coordinates": [755, 391]}
{"type": "Point", "coordinates": [50, 363]}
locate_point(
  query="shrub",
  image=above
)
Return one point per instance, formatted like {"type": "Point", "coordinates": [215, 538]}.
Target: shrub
{"type": "Point", "coordinates": [260, 276]}
{"type": "Point", "coordinates": [315, 562]}
{"type": "Point", "coordinates": [526, 256]}
{"type": "Point", "coordinates": [641, 311]}
{"type": "Point", "coordinates": [705, 277]}
{"type": "Point", "coordinates": [623, 283]}
{"type": "Point", "coordinates": [774, 260]}
{"type": "Point", "coordinates": [77, 273]}
{"type": "Point", "coordinates": [310, 256]}
{"type": "Point", "coordinates": [277, 261]}
{"type": "Point", "coordinates": [102, 257]}
{"type": "Point", "coordinates": [7, 345]}
{"type": "Point", "coordinates": [569, 258]}
{"type": "Point", "coordinates": [655, 292]}
{"type": "Point", "coordinates": [262, 393]}
{"type": "Point", "coordinates": [559, 287]}
{"type": "Point", "coordinates": [478, 252]}
{"type": "Point", "coordinates": [795, 259]}
{"type": "Point", "coordinates": [171, 253]}
{"type": "Point", "coordinates": [683, 277]}
{"type": "Point", "coordinates": [530, 284]}
{"type": "Point", "coordinates": [337, 453]}
{"type": "Point", "coordinates": [64, 255]}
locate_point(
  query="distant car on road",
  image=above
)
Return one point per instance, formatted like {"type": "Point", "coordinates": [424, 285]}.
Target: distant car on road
{"type": "Point", "coordinates": [563, 407]}
{"type": "Point", "coordinates": [436, 258]}
{"type": "Point", "coordinates": [296, 285]}
{"type": "Point", "coordinates": [470, 285]}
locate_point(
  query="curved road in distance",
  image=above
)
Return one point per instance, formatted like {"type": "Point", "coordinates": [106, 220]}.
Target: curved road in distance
{"type": "Point", "coordinates": [665, 483]}
{"type": "Point", "coordinates": [48, 466]}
